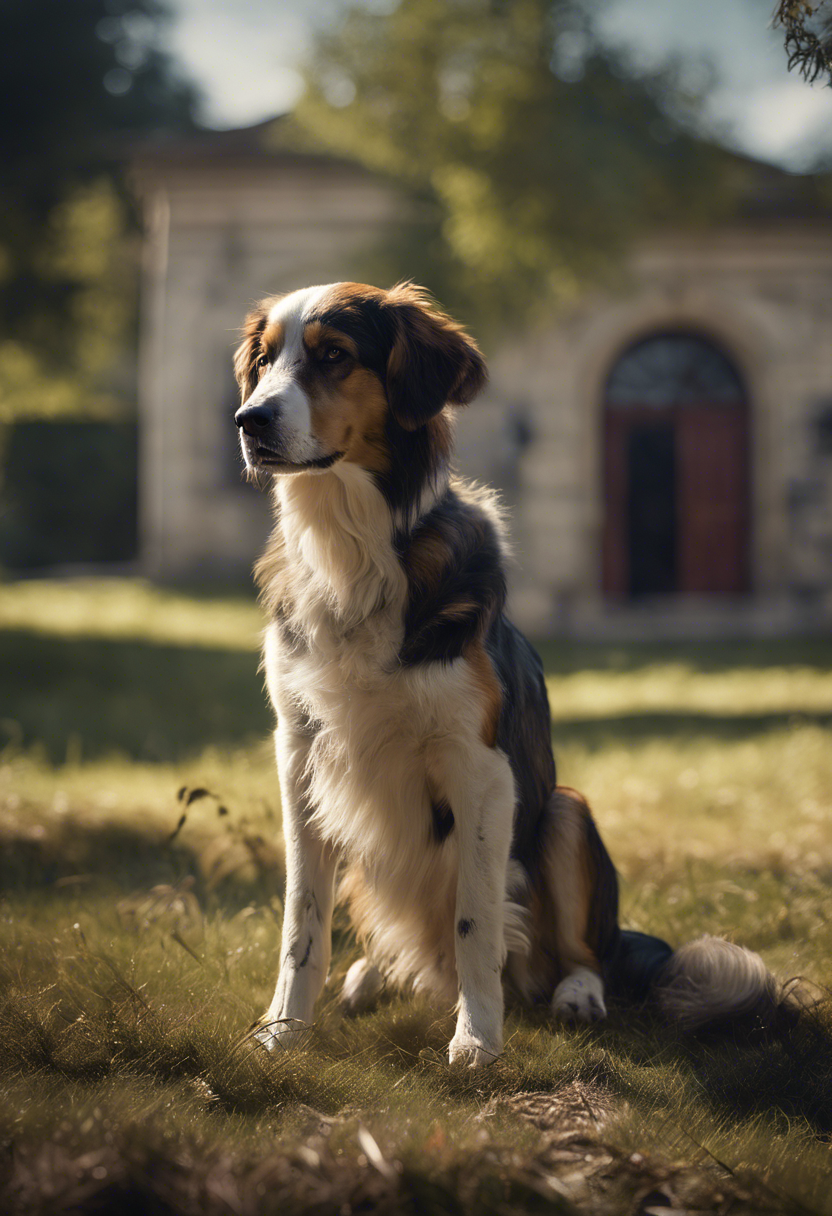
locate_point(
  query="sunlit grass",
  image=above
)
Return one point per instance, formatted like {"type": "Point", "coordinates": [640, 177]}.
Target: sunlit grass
{"type": "Point", "coordinates": [669, 686]}
{"type": "Point", "coordinates": [135, 948]}
{"type": "Point", "coordinates": [129, 609]}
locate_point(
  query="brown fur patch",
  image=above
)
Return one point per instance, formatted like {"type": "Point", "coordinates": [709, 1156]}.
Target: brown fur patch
{"type": "Point", "coordinates": [573, 907]}
{"type": "Point", "coordinates": [350, 416]}
{"type": "Point", "coordinates": [350, 295]}
{"type": "Point", "coordinates": [427, 559]}
{"type": "Point", "coordinates": [435, 550]}
{"type": "Point", "coordinates": [245, 356]}
{"type": "Point", "coordinates": [576, 948]}
{"type": "Point", "coordinates": [317, 336]}
{"type": "Point", "coordinates": [347, 400]}
{"type": "Point", "coordinates": [488, 687]}
{"type": "Point", "coordinates": [273, 337]}
{"type": "Point", "coordinates": [258, 338]}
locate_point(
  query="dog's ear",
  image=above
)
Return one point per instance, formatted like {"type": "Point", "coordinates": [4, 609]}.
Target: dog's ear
{"type": "Point", "coordinates": [246, 354]}
{"type": "Point", "coordinates": [432, 362]}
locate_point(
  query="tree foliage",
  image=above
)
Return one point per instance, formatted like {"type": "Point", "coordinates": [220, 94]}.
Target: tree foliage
{"type": "Point", "coordinates": [76, 77]}
{"type": "Point", "coordinates": [808, 30]}
{"type": "Point", "coordinates": [541, 153]}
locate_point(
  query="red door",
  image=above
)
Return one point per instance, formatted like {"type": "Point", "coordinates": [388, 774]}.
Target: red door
{"type": "Point", "coordinates": [712, 500]}
{"type": "Point", "coordinates": [708, 511]}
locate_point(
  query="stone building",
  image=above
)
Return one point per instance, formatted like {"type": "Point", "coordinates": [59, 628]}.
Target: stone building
{"type": "Point", "coordinates": [666, 449]}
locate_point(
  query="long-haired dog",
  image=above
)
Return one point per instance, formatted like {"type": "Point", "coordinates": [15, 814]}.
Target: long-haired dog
{"type": "Point", "coordinates": [413, 738]}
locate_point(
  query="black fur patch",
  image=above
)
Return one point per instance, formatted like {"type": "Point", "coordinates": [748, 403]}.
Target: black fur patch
{"type": "Point", "coordinates": [442, 820]}
{"type": "Point", "coordinates": [418, 459]}
{"type": "Point", "coordinates": [433, 360]}
{"type": "Point", "coordinates": [292, 956]}
{"type": "Point", "coordinates": [524, 733]}
{"type": "Point", "coordinates": [456, 582]}
{"type": "Point", "coordinates": [360, 313]}
{"type": "Point", "coordinates": [465, 927]}
{"type": "Point", "coordinates": [636, 966]}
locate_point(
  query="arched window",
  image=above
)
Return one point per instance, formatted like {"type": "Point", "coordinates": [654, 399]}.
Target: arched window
{"type": "Point", "coordinates": [675, 470]}
{"type": "Point", "coordinates": [673, 369]}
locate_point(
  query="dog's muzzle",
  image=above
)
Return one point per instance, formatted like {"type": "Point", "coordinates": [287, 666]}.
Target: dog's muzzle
{"type": "Point", "coordinates": [258, 434]}
{"type": "Point", "coordinates": [263, 444]}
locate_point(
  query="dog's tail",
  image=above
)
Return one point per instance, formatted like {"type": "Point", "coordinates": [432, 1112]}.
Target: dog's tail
{"type": "Point", "coordinates": [703, 984]}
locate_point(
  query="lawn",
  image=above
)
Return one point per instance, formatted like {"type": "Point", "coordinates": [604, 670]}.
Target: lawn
{"type": "Point", "coordinates": [142, 874]}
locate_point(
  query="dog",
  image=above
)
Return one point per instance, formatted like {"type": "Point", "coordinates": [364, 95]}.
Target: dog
{"type": "Point", "coordinates": [413, 731]}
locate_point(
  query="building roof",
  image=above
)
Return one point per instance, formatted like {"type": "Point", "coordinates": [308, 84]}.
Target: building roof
{"type": "Point", "coordinates": [760, 192]}
{"type": "Point", "coordinates": [263, 141]}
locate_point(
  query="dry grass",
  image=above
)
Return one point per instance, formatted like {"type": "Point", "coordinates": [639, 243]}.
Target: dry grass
{"type": "Point", "coordinates": [134, 956]}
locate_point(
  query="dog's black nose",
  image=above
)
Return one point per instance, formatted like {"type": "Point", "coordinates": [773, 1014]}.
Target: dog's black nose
{"type": "Point", "coordinates": [253, 418]}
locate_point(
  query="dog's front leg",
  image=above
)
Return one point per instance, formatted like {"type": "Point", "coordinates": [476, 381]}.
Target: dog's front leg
{"type": "Point", "coordinates": [480, 789]}
{"type": "Point", "coordinates": [306, 943]}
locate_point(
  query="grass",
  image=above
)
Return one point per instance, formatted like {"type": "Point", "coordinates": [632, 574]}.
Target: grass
{"type": "Point", "coordinates": [135, 950]}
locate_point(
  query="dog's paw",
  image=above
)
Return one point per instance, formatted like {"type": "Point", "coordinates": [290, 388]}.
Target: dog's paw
{"type": "Point", "coordinates": [467, 1051]}
{"type": "Point", "coordinates": [362, 985]}
{"type": "Point", "coordinates": [580, 997]}
{"type": "Point", "coordinates": [281, 1034]}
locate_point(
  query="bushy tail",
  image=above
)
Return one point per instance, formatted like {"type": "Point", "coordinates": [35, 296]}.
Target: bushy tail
{"type": "Point", "coordinates": [710, 980]}
{"type": "Point", "coordinates": [705, 982]}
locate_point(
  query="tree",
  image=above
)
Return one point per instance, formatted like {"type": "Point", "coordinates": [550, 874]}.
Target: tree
{"type": "Point", "coordinates": [76, 77]}
{"type": "Point", "coordinates": [540, 153]}
{"type": "Point", "coordinates": [808, 29]}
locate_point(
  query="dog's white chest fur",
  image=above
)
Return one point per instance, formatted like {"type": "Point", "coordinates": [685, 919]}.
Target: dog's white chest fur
{"type": "Point", "coordinates": [372, 769]}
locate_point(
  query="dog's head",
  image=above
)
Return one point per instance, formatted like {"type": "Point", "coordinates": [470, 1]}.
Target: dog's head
{"type": "Point", "coordinates": [344, 373]}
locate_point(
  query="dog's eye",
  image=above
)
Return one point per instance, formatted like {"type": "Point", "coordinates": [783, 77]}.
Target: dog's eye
{"type": "Point", "coordinates": [262, 362]}
{"type": "Point", "coordinates": [333, 353]}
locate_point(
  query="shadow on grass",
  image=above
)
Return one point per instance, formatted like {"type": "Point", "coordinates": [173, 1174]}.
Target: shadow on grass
{"type": "Point", "coordinates": [562, 657]}
{"type": "Point", "coordinates": [91, 697]}
{"type": "Point", "coordinates": [75, 857]}
{"type": "Point", "coordinates": [781, 1071]}
{"type": "Point", "coordinates": [596, 733]}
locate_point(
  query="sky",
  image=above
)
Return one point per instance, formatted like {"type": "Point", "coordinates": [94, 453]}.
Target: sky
{"type": "Point", "coordinates": [246, 54]}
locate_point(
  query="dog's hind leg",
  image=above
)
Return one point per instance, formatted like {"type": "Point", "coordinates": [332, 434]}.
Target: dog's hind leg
{"type": "Point", "coordinates": [581, 894]}
{"type": "Point", "coordinates": [362, 985]}
{"type": "Point", "coordinates": [306, 944]}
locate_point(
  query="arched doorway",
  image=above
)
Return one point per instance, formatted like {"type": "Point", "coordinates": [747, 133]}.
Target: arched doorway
{"type": "Point", "coordinates": [675, 470]}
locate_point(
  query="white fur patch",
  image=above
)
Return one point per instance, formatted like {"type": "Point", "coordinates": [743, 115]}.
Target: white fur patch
{"type": "Point", "coordinates": [292, 310]}
{"type": "Point", "coordinates": [283, 1035]}
{"type": "Point", "coordinates": [580, 997]}
{"type": "Point", "coordinates": [362, 985]}
{"type": "Point", "coordinates": [298, 444]}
